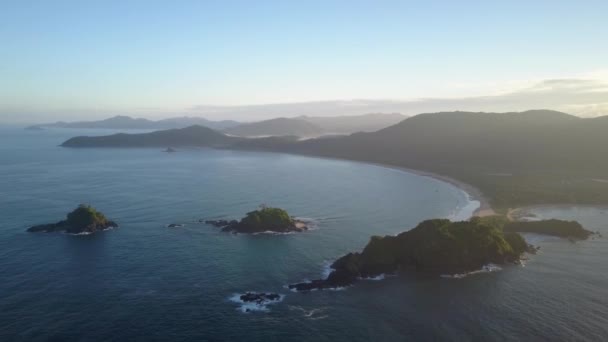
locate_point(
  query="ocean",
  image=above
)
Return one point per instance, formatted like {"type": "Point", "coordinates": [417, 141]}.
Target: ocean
{"type": "Point", "coordinates": [146, 282]}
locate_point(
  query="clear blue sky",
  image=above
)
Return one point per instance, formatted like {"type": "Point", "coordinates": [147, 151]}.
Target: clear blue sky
{"type": "Point", "coordinates": [166, 55]}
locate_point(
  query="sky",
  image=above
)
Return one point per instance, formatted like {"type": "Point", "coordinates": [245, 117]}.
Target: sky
{"type": "Point", "coordinates": [247, 60]}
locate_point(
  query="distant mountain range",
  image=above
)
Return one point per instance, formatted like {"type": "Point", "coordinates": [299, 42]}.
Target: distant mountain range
{"type": "Point", "coordinates": [515, 159]}
{"type": "Point", "coordinates": [277, 127]}
{"type": "Point", "coordinates": [354, 123]}
{"type": "Point", "coordinates": [303, 126]}
{"type": "Point", "coordinates": [127, 122]}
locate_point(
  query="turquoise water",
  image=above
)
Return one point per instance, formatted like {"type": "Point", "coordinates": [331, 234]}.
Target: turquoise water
{"type": "Point", "coordinates": [146, 282]}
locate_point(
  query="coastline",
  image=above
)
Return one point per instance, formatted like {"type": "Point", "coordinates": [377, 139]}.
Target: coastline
{"type": "Point", "coordinates": [515, 213]}
{"type": "Point", "coordinates": [474, 194]}
{"type": "Point", "coordinates": [484, 209]}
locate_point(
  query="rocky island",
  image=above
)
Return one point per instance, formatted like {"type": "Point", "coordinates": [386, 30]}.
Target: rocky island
{"type": "Point", "coordinates": [82, 220]}
{"type": "Point", "coordinates": [265, 219]}
{"type": "Point", "coordinates": [435, 246]}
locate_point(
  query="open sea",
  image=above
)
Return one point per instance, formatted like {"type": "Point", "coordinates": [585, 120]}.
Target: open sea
{"type": "Point", "coordinates": [146, 282]}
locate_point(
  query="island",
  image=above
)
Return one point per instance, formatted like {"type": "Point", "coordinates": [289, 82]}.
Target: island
{"type": "Point", "coordinates": [82, 220]}
{"type": "Point", "coordinates": [436, 246]}
{"type": "Point", "coordinates": [265, 219]}
{"type": "Point", "coordinates": [572, 230]}
{"type": "Point", "coordinates": [565, 229]}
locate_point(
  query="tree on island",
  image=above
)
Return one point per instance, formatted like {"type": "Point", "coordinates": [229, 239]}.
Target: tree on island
{"type": "Point", "coordinates": [83, 219]}
{"type": "Point", "coordinates": [262, 220]}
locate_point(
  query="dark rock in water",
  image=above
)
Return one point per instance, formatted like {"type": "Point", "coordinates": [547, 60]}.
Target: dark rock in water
{"type": "Point", "coordinates": [169, 150]}
{"type": "Point", "coordinates": [175, 225]}
{"type": "Point", "coordinates": [434, 246]}
{"type": "Point", "coordinates": [265, 219]}
{"type": "Point", "coordinates": [83, 220]}
{"type": "Point", "coordinates": [259, 298]}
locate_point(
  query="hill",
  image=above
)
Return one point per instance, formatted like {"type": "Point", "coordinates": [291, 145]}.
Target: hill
{"type": "Point", "coordinates": [354, 123]}
{"type": "Point", "coordinates": [127, 122]}
{"type": "Point", "coordinates": [515, 159]}
{"type": "Point", "coordinates": [194, 136]}
{"type": "Point", "coordinates": [277, 127]}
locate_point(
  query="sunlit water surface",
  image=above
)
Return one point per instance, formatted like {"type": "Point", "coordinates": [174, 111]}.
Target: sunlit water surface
{"type": "Point", "coordinates": [146, 282]}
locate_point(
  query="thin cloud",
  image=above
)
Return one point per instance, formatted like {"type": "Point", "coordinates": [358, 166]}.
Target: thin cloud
{"type": "Point", "coordinates": [583, 97]}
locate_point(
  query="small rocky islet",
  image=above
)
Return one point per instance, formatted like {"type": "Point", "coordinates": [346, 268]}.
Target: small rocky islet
{"type": "Point", "coordinates": [259, 297]}
{"type": "Point", "coordinates": [265, 219]}
{"type": "Point", "coordinates": [82, 220]}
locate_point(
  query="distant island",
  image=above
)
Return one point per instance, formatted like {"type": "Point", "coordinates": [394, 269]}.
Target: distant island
{"type": "Point", "coordinates": [514, 159]}
{"type": "Point", "coordinates": [193, 136]}
{"type": "Point", "coordinates": [302, 126]}
{"type": "Point", "coordinates": [127, 122]}
{"type": "Point", "coordinates": [434, 246]}
{"type": "Point", "coordinates": [82, 220]}
{"type": "Point", "coordinates": [265, 219]}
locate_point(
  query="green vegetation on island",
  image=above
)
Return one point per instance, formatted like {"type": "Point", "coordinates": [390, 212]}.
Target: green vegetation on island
{"type": "Point", "coordinates": [265, 219]}
{"type": "Point", "coordinates": [82, 220]}
{"type": "Point", "coordinates": [565, 229]}
{"type": "Point", "coordinates": [553, 227]}
{"type": "Point", "coordinates": [434, 246]}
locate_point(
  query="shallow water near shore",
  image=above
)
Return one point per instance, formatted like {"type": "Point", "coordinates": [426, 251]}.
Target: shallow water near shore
{"type": "Point", "coordinates": [144, 281]}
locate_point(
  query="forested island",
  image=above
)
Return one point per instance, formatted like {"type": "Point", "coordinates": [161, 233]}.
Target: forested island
{"type": "Point", "coordinates": [265, 219]}
{"type": "Point", "coordinates": [82, 220]}
{"type": "Point", "coordinates": [440, 246]}
{"type": "Point", "coordinates": [434, 246]}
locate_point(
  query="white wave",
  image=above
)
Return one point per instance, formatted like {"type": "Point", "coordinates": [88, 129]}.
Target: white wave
{"type": "Point", "coordinates": [313, 315]}
{"type": "Point", "coordinates": [89, 233]}
{"type": "Point", "coordinates": [376, 278]}
{"type": "Point", "coordinates": [246, 307]}
{"type": "Point", "coordinates": [311, 224]}
{"type": "Point", "coordinates": [326, 270]}
{"type": "Point", "coordinates": [485, 269]}
{"type": "Point", "coordinates": [270, 232]}
{"type": "Point", "coordinates": [79, 234]}
{"type": "Point", "coordinates": [466, 211]}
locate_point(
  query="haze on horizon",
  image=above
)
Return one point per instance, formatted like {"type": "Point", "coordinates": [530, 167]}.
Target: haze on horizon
{"type": "Point", "coordinates": [71, 60]}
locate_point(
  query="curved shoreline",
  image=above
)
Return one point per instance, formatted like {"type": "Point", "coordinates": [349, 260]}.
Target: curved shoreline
{"type": "Point", "coordinates": [474, 194]}
{"type": "Point", "coordinates": [484, 209]}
